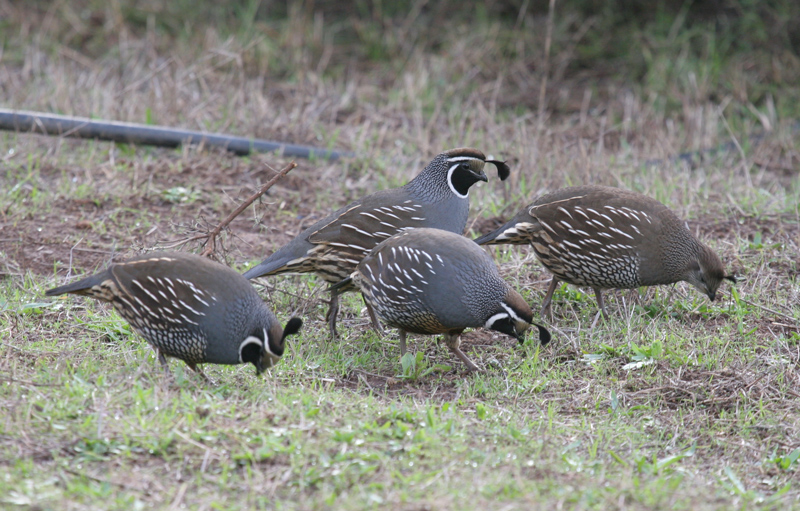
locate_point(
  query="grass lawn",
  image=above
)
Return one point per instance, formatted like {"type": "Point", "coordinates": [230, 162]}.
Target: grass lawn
{"type": "Point", "coordinates": [674, 402]}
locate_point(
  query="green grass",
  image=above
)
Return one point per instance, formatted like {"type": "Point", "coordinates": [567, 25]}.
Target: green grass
{"type": "Point", "coordinates": [672, 403]}
{"type": "Point", "coordinates": [347, 425]}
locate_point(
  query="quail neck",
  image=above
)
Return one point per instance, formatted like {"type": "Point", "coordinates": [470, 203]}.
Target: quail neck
{"type": "Point", "coordinates": [441, 190]}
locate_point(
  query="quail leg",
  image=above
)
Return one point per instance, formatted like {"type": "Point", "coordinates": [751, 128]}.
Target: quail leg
{"type": "Point", "coordinates": [548, 298]}
{"type": "Point", "coordinates": [599, 294]}
{"type": "Point", "coordinates": [330, 317]}
{"type": "Point", "coordinates": [453, 342]}
{"type": "Point", "coordinates": [402, 342]}
{"type": "Point", "coordinates": [602, 312]}
{"type": "Point", "coordinates": [375, 323]}
{"type": "Point", "coordinates": [194, 367]}
{"type": "Point", "coordinates": [163, 361]}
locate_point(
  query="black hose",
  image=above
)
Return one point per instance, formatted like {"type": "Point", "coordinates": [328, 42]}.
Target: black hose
{"type": "Point", "coordinates": [132, 133]}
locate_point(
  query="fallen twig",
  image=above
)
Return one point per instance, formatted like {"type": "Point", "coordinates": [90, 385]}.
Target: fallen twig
{"type": "Point", "coordinates": [764, 308]}
{"type": "Point", "coordinates": [211, 237]}
{"type": "Point", "coordinates": [101, 480]}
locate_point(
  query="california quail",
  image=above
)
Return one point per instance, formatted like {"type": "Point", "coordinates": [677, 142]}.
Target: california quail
{"type": "Point", "coordinates": [430, 281]}
{"type": "Point", "coordinates": [191, 308]}
{"type": "Point", "coordinates": [604, 238]}
{"type": "Point", "coordinates": [331, 248]}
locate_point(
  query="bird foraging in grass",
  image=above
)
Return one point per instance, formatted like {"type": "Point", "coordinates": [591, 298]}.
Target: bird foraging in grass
{"type": "Point", "coordinates": [191, 308]}
{"type": "Point", "coordinates": [430, 281]}
{"type": "Point", "coordinates": [438, 197]}
{"type": "Point", "coordinates": [606, 238]}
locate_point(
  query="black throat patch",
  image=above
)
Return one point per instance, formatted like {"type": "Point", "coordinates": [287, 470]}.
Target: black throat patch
{"type": "Point", "coordinates": [464, 176]}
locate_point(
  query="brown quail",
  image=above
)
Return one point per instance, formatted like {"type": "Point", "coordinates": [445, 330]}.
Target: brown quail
{"type": "Point", "coordinates": [331, 248]}
{"type": "Point", "coordinates": [430, 281]}
{"type": "Point", "coordinates": [606, 238]}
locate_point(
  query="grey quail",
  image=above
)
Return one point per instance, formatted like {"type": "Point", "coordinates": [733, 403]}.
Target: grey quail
{"type": "Point", "coordinates": [606, 238]}
{"type": "Point", "coordinates": [332, 247]}
{"type": "Point", "coordinates": [191, 308]}
{"type": "Point", "coordinates": [430, 281]}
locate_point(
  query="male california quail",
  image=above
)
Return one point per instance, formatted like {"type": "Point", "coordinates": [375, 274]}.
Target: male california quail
{"type": "Point", "coordinates": [605, 238]}
{"type": "Point", "coordinates": [430, 281]}
{"type": "Point", "coordinates": [191, 308]}
{"type": "Point", "coordinates": [331, 248]}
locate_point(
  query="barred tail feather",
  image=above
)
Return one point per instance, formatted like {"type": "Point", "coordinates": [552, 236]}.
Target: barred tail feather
{"type": "Point", "coordinates": [507, 234]}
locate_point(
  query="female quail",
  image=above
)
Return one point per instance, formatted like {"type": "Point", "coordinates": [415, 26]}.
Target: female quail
{"type": "Point", "coordinates": [331, 248]}
{"type": "Point", "coordinates": [191, 308]}
{"type": "Point", "coordinates": [605, 238]}
{"type": "Point", "coordinates": [430, 281]}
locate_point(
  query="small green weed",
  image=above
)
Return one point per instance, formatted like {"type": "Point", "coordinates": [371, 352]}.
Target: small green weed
{"type": "Point", "coordinates": [416, 366]}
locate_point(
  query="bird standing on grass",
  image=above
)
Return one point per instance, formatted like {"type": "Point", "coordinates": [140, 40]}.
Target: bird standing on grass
{"type": "Point", "coordinates": [191, 308]}
{"type": "Point", "coordinates": [430, 281]}
{"type": "Point", "coordinates": [606, 238]}
{"type": "Point", "coordinates": [331, 248]}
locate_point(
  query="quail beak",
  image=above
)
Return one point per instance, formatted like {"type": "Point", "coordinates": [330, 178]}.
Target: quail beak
{"type": "Point", "coordinates": [520, 328]}
{"type": "Point", "coordinates": [265, 362]}
{"type": "Point", "coordinates": [712, 295]}
{"type": "Point", "coordinates": [481, 176]}
{"type": "Point", "coordinates": [544, 335]}
{"type": "Point", "coordinates": [259, 366]}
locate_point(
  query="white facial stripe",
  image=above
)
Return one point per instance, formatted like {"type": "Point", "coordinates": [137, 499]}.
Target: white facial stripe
{"type": "Point", "coordinates": [450, 182]}
{"type": "Point", "coordinates": [461, 158]}
{"type": "Point", "coordinates": [266, 346]}
{"type": "Point", "coordinates": [491, 321]}
{"type": "Point", "coordinates": [250, 340]}
{"type": "Point", "coordinates": [511, 313]}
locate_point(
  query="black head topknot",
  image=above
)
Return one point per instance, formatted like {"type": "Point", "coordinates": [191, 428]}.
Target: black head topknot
{"type": "Point", "coordinates": [503, 170]}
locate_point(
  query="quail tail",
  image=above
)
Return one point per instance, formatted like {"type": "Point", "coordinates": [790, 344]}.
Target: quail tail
{"type": "Point", "coordinates": [266, 267]}
{"type": "Point", "coordinates": [78, 287]}
{"type": "Point", "coordinates": [506, 234]}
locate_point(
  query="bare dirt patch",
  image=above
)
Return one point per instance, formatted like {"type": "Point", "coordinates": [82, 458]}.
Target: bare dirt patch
{"type": "Point", "coordinates": [137, 205]}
